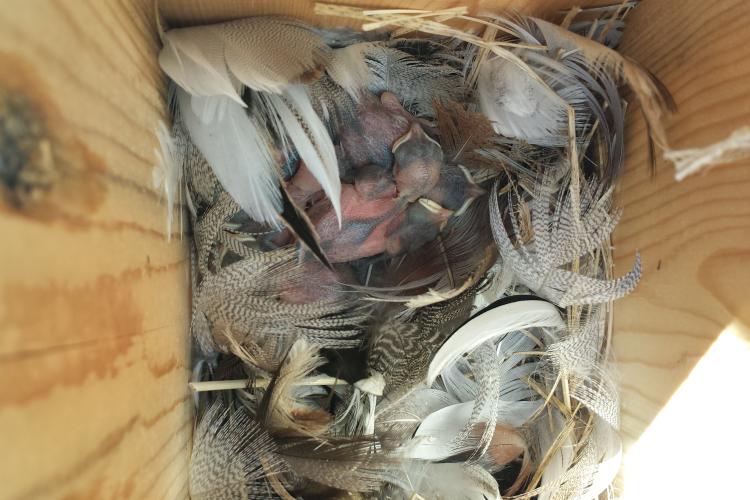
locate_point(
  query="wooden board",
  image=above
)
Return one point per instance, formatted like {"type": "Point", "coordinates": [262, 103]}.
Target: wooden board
{"type": "Point", "coordinates": [694, 236]}
{"type": "Point", "coordinates": [191, 12]}
{"type": "Point", "coordinates": [93, 299]}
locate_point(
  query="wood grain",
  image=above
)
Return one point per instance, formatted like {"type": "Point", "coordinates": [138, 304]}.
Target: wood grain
{"type": "Point", "coordinates": [191, 12]}
{"type": "Point", "coordinates": [93, 299]}
{"type": "Point", "coordinates": [694, 236]}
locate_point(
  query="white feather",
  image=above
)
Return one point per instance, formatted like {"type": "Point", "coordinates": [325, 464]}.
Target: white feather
{"type": "Point", "coordinates": [520, 106]}
{"type": "Point", "coordinates": [606, 458]}
{"type": "Point", "coordinates": [513, 409]}
{"type": "Point", "coordinates": [263, 53]}
{"type": "Point", "coordinates": [592, 471]}
{"type": "Point", "coordinates": [450, 481]}
{"type": "Point", "coordinates": [293, 114]}
{"type": "Point", "coordinates": [492, 324]}
{"type": "Point", "coordinates": [168, 172]}
{"type": "Point", "coordinates": [194, 59]}
{"type": "Point", "coordinates": [239, 152]}
{"type": "Point", "coordinates": [561, 460]}
{"type": "Point", "coordinates": [435, 438]}
{"type": "Point", "coordinates": [349, 69]}
{"type": "Point", "coordinates": [458, 381]}
{"type": "Point", "coordinates": [448, 430]}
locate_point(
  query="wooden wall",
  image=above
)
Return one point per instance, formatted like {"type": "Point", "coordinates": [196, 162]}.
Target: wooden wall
{"type": "Point", "coordinates": [94, 299]}
{"type": "Point", "coordinates": [694, 236]}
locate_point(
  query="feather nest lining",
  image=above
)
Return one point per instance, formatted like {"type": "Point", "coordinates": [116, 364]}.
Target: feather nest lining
{"type": "Point", "coordinates": [402, 271]}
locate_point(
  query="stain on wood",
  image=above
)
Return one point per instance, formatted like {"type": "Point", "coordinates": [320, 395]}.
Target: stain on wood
{"type": "Point", "coordinates": [65, 345]}
{"type": "Point", "coordinates": [27, 165]}
{"type": "Point", "coordinates": [39, 154]}
{"type": "Point", "coordinates": [94, 301]}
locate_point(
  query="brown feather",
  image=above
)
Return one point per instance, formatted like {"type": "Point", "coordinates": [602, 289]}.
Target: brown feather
{"type": "Point", "coordinates": [462, 132]}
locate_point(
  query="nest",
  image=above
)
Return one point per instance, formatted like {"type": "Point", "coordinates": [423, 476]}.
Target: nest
{"type": "Point", "coordinates": [402, 269]}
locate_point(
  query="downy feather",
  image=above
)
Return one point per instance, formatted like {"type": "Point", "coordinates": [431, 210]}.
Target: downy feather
{"type": "Point", "coordinates": [287, 410]}
{"type": "Point", "coordinates": [349, 70]}
{"type": "Point", "coordinates": [518, 105]}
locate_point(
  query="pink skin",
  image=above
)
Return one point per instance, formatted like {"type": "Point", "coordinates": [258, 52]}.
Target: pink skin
{"type": "Point", "coordinates": [303, 186]}
{"type": "Point", "coordinates": [363, 227]}
{"type": "Point", "coordinates": [364, 210]}
{"type": "Point", "coordinates": [372, 210]}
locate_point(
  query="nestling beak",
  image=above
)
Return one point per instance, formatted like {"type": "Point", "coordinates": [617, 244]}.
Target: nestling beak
{"type": "Point", "coordinates": [415, 132]}
{"type": "Point", "coordinates": [439, 213]}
